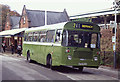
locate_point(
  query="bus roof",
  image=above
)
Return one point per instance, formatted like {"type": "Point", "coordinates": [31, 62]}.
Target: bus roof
{"type": "Point", "coordinates": [53, 26]}
{"type": "Point", "coordinates": [71, 25]}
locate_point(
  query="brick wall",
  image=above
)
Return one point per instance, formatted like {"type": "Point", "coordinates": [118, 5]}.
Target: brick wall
{"type": "Point", "coordinates": [24, 24]}
{"type": "Point", "coordinates": [118, 38]}
{"type": "Point", "coordinates": [7, 24]}
{"type": "Point", "coordinates": [106, 39]}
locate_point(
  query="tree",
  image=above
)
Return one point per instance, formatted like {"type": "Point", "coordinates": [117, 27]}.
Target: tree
{"type": "Point", "coordinates": [14, 13]}
{"type": "Point", "coordinates": [5, 11]}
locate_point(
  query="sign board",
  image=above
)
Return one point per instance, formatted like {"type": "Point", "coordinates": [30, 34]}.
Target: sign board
{"type": "Point", "coordinates": [113, 38]}
{"type": "Point", "coordinates": [82, 26]}
{"type": "Point", "coordinates": [113, 47]}
{"type": "Point", "coordinates": [112, 23]}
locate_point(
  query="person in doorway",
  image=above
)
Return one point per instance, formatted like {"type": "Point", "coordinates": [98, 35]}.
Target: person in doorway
{"type": "Point", "coordinates": [19, 49]}
{"type": "Point", "coordinates": [12, 48]}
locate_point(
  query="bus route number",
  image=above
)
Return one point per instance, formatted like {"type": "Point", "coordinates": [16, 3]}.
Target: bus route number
{"type": "Point", "coordinates": [82, 26]}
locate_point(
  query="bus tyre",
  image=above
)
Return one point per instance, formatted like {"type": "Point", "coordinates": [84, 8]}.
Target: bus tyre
{"type": "Point", "coordinates": [28, 56]}
{"type": "Point", "coordinates": [80, 69]}
{"type": "Point", "coordinates": [49, 62]}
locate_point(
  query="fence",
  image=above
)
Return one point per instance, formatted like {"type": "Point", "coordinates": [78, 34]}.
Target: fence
{"type": "Point", "coordinates": [107, 58]}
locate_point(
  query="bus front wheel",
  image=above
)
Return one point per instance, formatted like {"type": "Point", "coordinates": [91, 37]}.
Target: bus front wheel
{"type": "Point", "coordinates": [80, 69]}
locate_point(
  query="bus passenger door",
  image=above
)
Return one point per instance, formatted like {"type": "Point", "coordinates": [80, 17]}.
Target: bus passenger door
{"type": "Point", "coordinates": [57, 47]}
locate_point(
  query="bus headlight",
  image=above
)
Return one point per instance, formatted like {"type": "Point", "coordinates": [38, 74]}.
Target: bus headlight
{"type": "Point", "coordinates": [69, 57]}
{"type": "Point", "coordinates": [95, 58]}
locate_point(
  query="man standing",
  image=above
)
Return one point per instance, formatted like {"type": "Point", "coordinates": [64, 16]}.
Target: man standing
{"type": "Point", "coordinates": [12, 48]}
{"type": "Point", "coordinates": [3, 46]}
{"type": "Point", "coordinates": [19, 48]}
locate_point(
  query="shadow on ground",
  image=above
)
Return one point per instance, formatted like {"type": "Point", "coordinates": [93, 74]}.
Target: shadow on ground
{"type": "Point", "coordinates": [63, 69]}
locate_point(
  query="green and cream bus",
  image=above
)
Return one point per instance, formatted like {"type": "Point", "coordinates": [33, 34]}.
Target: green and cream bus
{"type": "Point", "coordinates": [74, 44]}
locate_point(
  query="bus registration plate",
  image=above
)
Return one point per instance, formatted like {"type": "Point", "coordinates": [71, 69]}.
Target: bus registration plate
{"type": "Point", "coordinates": [82, 63]}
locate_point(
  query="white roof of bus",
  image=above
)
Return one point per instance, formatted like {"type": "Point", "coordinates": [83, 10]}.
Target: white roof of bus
{"type": "Point", "coordinates": [53, 26]}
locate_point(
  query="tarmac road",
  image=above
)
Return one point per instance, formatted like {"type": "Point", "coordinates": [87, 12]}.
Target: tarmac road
{"type": "Point", "coordinates": [17, 68]}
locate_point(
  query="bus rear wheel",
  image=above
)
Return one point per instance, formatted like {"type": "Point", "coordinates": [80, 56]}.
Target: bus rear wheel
{"type": "Point", "coordinates": [49, 62]}
{"type": "Point", "coordinates": [28, 56]}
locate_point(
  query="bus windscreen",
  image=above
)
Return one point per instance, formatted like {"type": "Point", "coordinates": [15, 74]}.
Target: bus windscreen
{"type": "Point", "coordinates": [80, 39]}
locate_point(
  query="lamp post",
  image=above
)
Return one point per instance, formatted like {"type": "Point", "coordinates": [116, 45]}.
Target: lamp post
{"type": "Point", "coordinates": [116, 6]}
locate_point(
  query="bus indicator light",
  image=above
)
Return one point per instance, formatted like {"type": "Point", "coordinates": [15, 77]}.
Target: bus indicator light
{"type": "Point", "coordinates": [67, 51]}
{"type": "Point", "coordinates": [98, 53]}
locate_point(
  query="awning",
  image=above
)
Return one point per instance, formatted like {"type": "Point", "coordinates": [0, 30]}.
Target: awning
{"type": "Point", "coordinates": [12, 32]}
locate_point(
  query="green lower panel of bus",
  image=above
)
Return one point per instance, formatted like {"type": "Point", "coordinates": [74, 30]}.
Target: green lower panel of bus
{"type": "Point", "coordinates": [80, 63]}
{"type": "Point", "coordinates": [71, 56]}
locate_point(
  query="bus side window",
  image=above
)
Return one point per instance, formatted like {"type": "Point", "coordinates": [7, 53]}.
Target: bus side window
{"type": "Point", "coordinates": [50, 35]}
{"type": "Point", "coordinates": [58, 36]}
{"type": "Point", "coordinates": [35, 36]}
{"type": "Point", "coordinates": [30, 36]}
{"type": "Point", "coordinates": [42, 36]}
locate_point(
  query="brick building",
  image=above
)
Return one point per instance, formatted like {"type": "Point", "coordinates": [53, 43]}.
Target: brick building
{"type": "Point", "coordinates": [37, 18]}
{"type": "Point", "coordinates": [12, 22]}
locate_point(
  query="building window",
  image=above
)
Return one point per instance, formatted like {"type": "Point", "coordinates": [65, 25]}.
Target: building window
{"type": "Point", "coordinates": [24, 20]}
{"type": "Point", "coordinates": [7, 24]}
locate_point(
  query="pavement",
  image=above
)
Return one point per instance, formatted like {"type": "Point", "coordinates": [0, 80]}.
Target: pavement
{"type": "Point", "coordinates": [8, 53]}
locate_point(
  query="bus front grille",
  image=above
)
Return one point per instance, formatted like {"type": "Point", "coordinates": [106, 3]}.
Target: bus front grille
{"type": "Point", "coordinates": [83, 54]}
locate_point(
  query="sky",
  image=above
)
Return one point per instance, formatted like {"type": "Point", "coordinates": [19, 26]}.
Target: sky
{"type": "Point", "coordinates": [73, 7]}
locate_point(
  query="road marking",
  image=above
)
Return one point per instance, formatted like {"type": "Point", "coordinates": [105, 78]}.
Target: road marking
{"type": "Point", "coordinates": [67, 76]}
